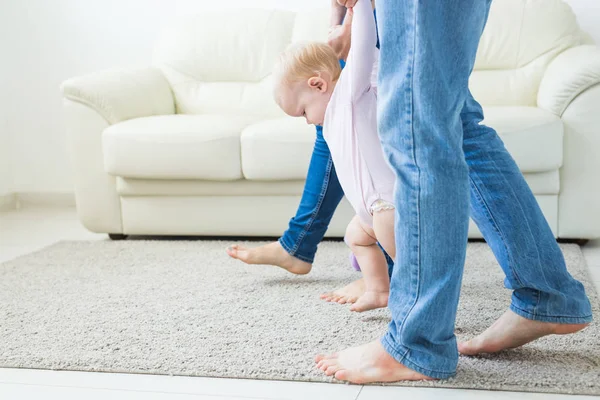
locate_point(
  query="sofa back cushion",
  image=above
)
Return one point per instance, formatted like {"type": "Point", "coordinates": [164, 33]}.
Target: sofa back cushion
{"type": "Point", "coordinates": [519, 41]}
{"type": "Point", "coordinates": [220, 62]}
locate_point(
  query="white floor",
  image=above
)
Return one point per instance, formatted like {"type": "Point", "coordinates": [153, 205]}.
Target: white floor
{"type": "Point", "coordinates": [32, 228]}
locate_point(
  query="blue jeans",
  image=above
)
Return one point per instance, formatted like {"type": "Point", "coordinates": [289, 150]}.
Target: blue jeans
{"type": "Point", "coordinates": [320, 198]}
{"type": "Point", "coordinates": [445, 159]}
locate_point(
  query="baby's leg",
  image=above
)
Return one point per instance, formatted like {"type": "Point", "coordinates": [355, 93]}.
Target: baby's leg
{"type": "Point", "coordinates": [361, 239]}
{"type": "Point", "coordinates": [383, 226]}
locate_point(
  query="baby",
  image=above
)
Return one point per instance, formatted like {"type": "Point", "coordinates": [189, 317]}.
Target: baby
{"type": "Point", "coordinates": [309, 83]}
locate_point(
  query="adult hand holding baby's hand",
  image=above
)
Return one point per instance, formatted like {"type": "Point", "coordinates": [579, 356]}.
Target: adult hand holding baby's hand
{"type": "Point", "coordinates": [339, 40]}
{"type": "Point", "coordinates": [347, 3]}
{"type": "Point", "coordinates": [339, 37]}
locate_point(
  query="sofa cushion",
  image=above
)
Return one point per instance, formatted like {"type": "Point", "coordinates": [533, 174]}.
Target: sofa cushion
{"type": "Point", "coordinates": [277, 149]}
{"type": "Point", "coordinates": [280, 149]}
{"type": "Point", "coordinates": [175, 147]}
{"type": "Point", "coordinates": [520, 39]}
{"type": "Point", "coordinates": [210, 147]}
{"type": "Point", "coordinates": [533, 136]}
{"type": "Point", "coordinates": [219, 61]}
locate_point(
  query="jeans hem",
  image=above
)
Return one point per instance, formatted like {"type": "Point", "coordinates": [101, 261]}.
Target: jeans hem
{"type": "Point", "coordinates": [294, 254]}
{"type": "Point", "coordinates": [402, 358]}
{"type": "Point", "coordinates": [550, 318]}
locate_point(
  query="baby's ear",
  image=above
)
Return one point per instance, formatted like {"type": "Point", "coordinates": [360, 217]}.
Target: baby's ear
{"type": "Point", "coordinates": [317, 83]}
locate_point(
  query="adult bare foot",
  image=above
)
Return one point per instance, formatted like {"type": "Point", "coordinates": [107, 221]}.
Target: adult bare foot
{"type": "Point", "coordinates": [370, 301]}
{"type": "Point", "coordinates": [348, 294]}
{"type": "Point", "coordinates": [270, 254]}
{"type": "Point", "coordinates": [366, 364]}
{"type": "Point", "coordinates": [512, 330]}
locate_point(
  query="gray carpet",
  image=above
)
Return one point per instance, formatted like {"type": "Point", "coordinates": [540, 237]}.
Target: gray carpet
{"type": "Point", "coordinates": [185, 308]}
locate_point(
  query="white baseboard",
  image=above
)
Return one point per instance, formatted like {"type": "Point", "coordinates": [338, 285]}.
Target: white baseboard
{"type": "Point", "coordinates": [8, 202]}
{"type": "Point", "coordinates": [52, 199]}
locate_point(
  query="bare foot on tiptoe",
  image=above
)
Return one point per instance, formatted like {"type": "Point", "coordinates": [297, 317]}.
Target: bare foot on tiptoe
{"type": "Point", "coordinates": [370, 301]}
{"type": "Point", "coordinates": [348, 294]}
{"type": "Point", "coordinates": [270, 254]}
{"type": "Point", "coordinates": [512, 330]}
{"type": "Point", "coordinates": [366, 364]}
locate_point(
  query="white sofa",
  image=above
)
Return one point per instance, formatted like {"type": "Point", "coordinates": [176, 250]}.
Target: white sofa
{"type": "Point", "coordinates": [195, 145]}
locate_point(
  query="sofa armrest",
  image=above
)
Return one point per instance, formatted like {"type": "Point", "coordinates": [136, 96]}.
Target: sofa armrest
{"type": "Point", "coordinates": [568, 75]}
{"type": "Point", "coordinates": [119, 95]}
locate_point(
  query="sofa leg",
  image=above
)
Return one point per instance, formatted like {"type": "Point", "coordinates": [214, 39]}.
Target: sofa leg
{"type": "Point", "coordinates": [579, 242]}
{"type": "Point", "coordinates": [117, 236]}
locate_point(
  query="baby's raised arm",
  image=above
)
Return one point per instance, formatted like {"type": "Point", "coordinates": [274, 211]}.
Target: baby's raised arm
{"type": "Point", "coordinates": [362, 48]}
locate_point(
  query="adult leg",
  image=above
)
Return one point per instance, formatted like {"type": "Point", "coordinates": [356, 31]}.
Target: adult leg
{"type": "Point", "coordinates": [546, 298]}
{"type": "Point", "coordinates": [427, 54]}
{"type": "Point", "coordinates": [296, 249]}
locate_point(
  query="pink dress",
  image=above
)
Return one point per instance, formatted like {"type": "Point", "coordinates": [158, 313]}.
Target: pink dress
{"type": "Point", "coordinates": [350, 126]}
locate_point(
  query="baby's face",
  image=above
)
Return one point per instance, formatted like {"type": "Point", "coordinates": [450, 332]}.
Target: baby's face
{"type": "Point", "coordinates": [306, 99]}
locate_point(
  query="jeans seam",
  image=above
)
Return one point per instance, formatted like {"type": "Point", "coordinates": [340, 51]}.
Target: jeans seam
{"type": "Point", "coordinates": [315, 211]}
{"type": "Point", "coordinates": [491, 219]}
{"type": "Point", "coordinates": [418, 172]}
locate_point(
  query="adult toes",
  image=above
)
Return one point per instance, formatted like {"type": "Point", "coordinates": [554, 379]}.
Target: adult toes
{"type": "Point", "coordinates": [332, 369]}
{"type": "Point", "coordinates": [342, 375]}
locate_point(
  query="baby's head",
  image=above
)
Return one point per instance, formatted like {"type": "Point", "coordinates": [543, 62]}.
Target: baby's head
{"type": "Point", "coordinates": [305, 77]}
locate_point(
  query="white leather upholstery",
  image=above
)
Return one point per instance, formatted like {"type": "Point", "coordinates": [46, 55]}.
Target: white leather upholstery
{"type": "Point", "coordinates": [522, 129]}
{"type": "Point", "coordinates": [175, 147]}
{"type": "Point", "coordinates": [571, 73]}
{"type": "Point", "coordinates": [119, 95]}
{"type": "Point", "coordinates": [98, 204]}
{"type": "Point", "coordinates": [269, 215]}
{"type": "Point", "coordinates": [542, 183]}
{"type": "Point", "coordinates": [579, 200]}
{"type": "Point", "coordinates": [213, 68]}
{"type": "Point", "coordinates": [520, 39]}
{"type": "Point", "coordinates": [230, 162]}
{"type": "Point", "coordinates": [207, 147]}
{"type": "Point", "coordinates": [189, 187]}
{"type": "Point", "coordinates": [278, 149]}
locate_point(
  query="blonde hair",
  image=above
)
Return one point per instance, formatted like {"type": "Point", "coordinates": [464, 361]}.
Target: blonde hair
{"type": "Point", "coordinates": [302, 60]}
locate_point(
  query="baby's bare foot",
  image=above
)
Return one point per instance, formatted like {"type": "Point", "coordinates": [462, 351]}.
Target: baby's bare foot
{"type": "Point", "coordinates": [348, 294]}
{"type": "Point", "coordinates": [370, 301]}
{"type": "Point", "coordinates": [366, 364]}
{"type": "Point", "coordinates": [270, 254]}
{"type": "Point", "coordinates": [512, 330]}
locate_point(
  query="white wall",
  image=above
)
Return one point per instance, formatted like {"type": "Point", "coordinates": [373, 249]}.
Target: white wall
{"type": "Point", "coordinates": [6, 173]}
{"type": "Point", "coordinates": [6, 165]}
{"type": "Point", "coordinates": [588, 16]}
{"type": "Point", "coordinates": [50, 41]}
